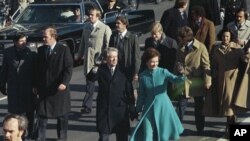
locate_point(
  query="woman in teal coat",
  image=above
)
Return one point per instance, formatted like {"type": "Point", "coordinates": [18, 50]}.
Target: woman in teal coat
{"type": "Point", "coordinates": [159, 121]}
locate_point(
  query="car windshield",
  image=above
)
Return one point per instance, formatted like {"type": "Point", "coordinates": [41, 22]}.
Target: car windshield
{"type": "Point", "coordinates": [51, 14]}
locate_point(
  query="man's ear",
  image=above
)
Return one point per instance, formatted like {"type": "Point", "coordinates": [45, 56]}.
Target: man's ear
{"type": "Point", "coordinates": [21, 133]}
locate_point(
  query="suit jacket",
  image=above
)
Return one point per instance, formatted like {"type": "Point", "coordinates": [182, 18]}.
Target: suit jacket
{"type": "Point", "coordinates": [132, 55]}
{"type": "Point", "coordinates": [205, 33]}
{"type": "Point", "coordinates": [17, 72]}
{"type": "Point", "coordinates": [196, 68]}
{"type": "Point", "coordinates": [52, 71]}
{"type": "Point", "coordinates": [171, 20]}
{"type": "Point", "coordinates": [93, 42]}
{"type": "Point", "coordinates": [115, 95]}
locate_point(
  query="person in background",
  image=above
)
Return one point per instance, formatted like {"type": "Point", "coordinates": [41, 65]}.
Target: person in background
{"type": "Point", "coordinates": [14, 127]}
{"type": "Point", "coordinates": [77, 15]}
{"type": "Point", "coordinates": [17, 77]}
{"type": "Point", "coordinates": [112, 5]}
{"type": "Point", "coordinates": [194, 57]}
{"type": "Point", "coordinates": [203, 29]}
{"type": "Point", "coordinates": [211, 7]}
{"type": "Point", "coordinates": [226, 60]}
{"type": "Point", "coordinates": [174, 18]}
{"type": "Point", "coordinates": [129, 51]}
{"type": "Point", "coordinates": [95, 39]}
{"type": "Point", "coordinates": [228, 9]}
{"type": "Point", "coordinates": [164, 44]}
{"type": "Point", "coordinates": [115, 95]}
{"type": "Point", "coordinates": [53, 73]}
{"type": "Point", "coordinates": [159, 120]}
{"type": "Point", "coordinates": [240, 27]}
{"type": "Point", "coordinates": [167, 48]}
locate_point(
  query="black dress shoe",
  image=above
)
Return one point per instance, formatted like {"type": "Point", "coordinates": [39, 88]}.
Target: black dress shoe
{"type": "Point", "coordinates": [86, 111]}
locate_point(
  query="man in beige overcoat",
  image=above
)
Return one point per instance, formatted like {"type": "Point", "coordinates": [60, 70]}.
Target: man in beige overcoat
{"type": "Point", "coordinates": [194, 57]}
{"type": "Point", "coordinates": [95, 39]}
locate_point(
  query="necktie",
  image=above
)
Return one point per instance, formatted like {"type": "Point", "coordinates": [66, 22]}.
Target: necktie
{"type": "Point", "coordinates": [91, 27]}
{"type": "Point", "coordinates": [112, 71]}
{"type": "Point", "coordinates": [49, 51]}
{"type": "Point", "coordinates": [119, 41]}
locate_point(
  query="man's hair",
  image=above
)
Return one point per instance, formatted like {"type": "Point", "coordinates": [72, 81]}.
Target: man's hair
{"type": "Point", "coordinates": [186, 33]}
{"type": "Point", "coordinates": [52, 31]}
{"type": "Point", "coordinates": [108, 50]}
{"type": "Point", "coordinates": [180, 3]}
{"type": "Point", "coordinates": [123, 19]}
{"type": "Point", "coordinates": [156, 27]}
{"type": "Point", "coordinates": [18, 36]}
{"type": "Point", "coordinates": [150, 53]}
{"type": "Point", "coordinates": [198, 11]}
{"type": "Point", "coordinates": [98, 12]}
{"type": "Point", "coordinates": [22, 121]}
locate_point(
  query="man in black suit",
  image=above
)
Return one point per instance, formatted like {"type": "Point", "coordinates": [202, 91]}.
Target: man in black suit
{"type": "Point", "coordinates": [115, 95]}
{"type": "Point", "coordinates": [174, 18]}
{"type": "Point", "coordinates": [54, 70]}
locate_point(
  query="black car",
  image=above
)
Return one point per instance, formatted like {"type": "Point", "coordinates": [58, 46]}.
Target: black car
{"type": "Point", "coordinates": [60, 14]}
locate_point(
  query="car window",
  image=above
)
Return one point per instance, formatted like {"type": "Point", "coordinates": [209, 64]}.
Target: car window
{"type": "Point", "coordinates": [48, 14]}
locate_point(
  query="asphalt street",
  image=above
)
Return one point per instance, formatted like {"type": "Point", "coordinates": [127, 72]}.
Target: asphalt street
{"type": "Point", "coordinates": [82, 126]}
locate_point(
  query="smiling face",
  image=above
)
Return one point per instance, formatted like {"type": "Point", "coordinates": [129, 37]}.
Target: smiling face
{"type": "Point", "coordinates": [153, 63]}
{"type": "Point", "coordinates": [112, 58]}
{"type": "Point", "coordinates": [226, 38]}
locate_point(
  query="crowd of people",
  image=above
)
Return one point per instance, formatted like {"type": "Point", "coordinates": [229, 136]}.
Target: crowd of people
{"type": "Point", "coordinates": [181, 61]}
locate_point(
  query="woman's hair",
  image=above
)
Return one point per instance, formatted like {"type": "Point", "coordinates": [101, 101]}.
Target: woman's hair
{"type": "Point", "coordinates": [156, 27]}
{"type": "Point", "coordinates": [149, 54]}
{"type": "Point", "coordinates": [220, 34]}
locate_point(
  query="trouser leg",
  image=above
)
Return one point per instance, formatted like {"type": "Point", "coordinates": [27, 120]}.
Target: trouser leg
{"type": "Point", "coordinates": [103, 137]}
{"type": "Point", "coordinates": [199, 117]}
{"type": "Point", "coordinates": [62, 127]}
{"type": "Point", "coordinates": [122, 136]}
{"type": "Point", "coordinates": [42, 128]}
{"type": "Point", "coordinates": [181, 107]}
{"type": "Point", "coordinates": [30, 116]}
{"type": "Point", "coordinates": [88, 98]}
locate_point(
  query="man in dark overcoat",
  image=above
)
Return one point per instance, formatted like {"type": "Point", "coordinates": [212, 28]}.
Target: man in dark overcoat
{"type": "Point", "coordinates": [17, 72]}
{"type": "Point", "coordinates": [129, 51]}
{"type": "Point", "coordinates": [54, 71]}
{"type": "Point", "coordinates": [174, 18]}
{"type": "Point", "coordinates": [115, 98]}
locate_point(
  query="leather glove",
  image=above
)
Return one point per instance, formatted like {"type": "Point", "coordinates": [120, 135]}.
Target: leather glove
{"type": "Point", "coordinates": [95, 69]}
{"type": "Point", "coordinates": [132, 113]}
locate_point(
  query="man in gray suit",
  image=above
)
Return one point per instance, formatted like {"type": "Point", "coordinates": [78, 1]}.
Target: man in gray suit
{"type": "Point", "coordinates": [95, 38]}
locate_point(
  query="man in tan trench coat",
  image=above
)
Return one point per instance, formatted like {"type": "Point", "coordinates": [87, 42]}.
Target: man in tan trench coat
{"type": "Point", "coordinates": [195, 59]}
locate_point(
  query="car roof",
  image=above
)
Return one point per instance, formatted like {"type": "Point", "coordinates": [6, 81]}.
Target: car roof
{"type": "Point", "coordinates": [61, 2]}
